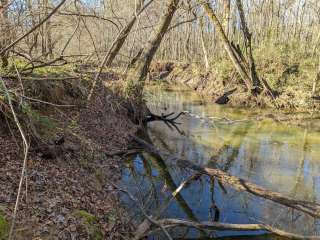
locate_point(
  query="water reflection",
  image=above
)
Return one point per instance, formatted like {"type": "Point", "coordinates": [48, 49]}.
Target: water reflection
{"type": "Point", "coordinates": [277, 156]}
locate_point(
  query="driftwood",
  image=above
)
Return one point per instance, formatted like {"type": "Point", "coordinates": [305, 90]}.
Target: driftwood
{"type": "Point", "coordinates": [310, 208]}
{"type": "Point", "coordinates": [169, 223]}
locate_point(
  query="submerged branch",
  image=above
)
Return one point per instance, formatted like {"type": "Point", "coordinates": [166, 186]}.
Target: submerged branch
{"type": "Point", "coordinates": [170, 223]}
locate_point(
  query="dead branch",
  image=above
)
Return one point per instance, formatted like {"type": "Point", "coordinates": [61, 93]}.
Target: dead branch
{"type": "Point", "coordinates": [165, 118]}
{"type": "Point", "coordinates": [145, 225]}
{"type": "Point", "coordinates": [40, 79]}
{"type": "Point", "coordinates": [233, 227]}
{"type": "Point", "coordinates": [170, 122]}
{"type": "Point", "coordinates": [137, 202]}
{"type": "Point", "coordinates": [26, 150]}
{"type": "Point", "coordinates": [34, 28]}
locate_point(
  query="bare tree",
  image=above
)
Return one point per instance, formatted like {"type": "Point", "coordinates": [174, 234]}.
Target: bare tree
{"type": "Point", "coordinates": [4, 30]}
{"type": "Point", "coordinates": [137, 75]}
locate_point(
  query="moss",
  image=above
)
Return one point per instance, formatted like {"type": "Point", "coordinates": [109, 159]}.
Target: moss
{"type": "Point", "coordinates": [91, 224]}
{"type": "Point", "coordinates": [4, 226]}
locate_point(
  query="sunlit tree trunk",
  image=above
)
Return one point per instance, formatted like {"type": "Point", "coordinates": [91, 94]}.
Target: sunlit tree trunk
{"type": "Point", "coordinates": [204, 49]}
{"type": "Point", "coordinates": [247, 40]}
{"type": "Point", "coordinates": [117, 44]}
{"type": "Point", "coordinates": [4, 31]}
{"type": "Point", "coordinates": [122, 36]}
{"type": "Point", "coordinates": [226, 24]}
{"type": "Point", "coordinates": [138, 73]}
{"type": "Point", "coordinates": [316, 80]}
{"type": "Point", "coordinates": [227, 45]}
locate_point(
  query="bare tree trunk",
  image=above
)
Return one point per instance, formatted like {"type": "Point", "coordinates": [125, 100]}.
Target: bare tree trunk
{"type": "Point", "coordinates": [4, 31]}
{"type": "Point", "coordinates": [227, 8]}
{"type": "Point", "coordinates": [138, 74]}
{"type": "Point", "coordinates": [316, 81]}
{"type": "Point", "coordinates": [118, 43]}
{"type": "Point", "coordinates": [122, 36]}
{"type": "Point", "coordinates": [204, 49]}
{"type": "Point", "coordinates": [247, 41]}
{"type": "Point", "coordinates": [227, 45]}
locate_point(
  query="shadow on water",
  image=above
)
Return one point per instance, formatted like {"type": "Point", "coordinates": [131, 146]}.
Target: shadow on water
{"type": "Point", "coordinates": [276, 156]}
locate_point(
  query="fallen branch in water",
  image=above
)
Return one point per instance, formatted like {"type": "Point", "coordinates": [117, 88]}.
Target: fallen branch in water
{"type": "Point", "coordinates": [170, 223]}
{"type": "Point", "coordinates": [310, 208]}
{"type": "Point", "coordinates": [170, 122]}
{"type": "Point", "coordinates": [142, 229]}
{"type": "Point", "coordinates": [137, 202]}
{"type": "Point", "coordinates": [165, 118]}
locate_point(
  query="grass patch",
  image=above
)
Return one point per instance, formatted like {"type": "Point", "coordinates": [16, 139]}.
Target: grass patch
{"type": "Point", "coordinates": [4, 226]}
{"type": "Point", "coordinates": [91, 224]}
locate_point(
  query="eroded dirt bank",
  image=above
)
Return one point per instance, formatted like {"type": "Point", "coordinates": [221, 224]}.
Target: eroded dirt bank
{"type": "Point", "coordinates": [217, 83]}
{"type": "Point", "coordinates": [68, 194]}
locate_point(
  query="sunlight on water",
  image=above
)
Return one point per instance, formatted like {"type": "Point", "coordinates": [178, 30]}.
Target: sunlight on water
{"type": "Point", "coordinates": [244, 143]}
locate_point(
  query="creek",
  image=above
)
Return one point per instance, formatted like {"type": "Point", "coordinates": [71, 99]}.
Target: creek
{"type": "Point", "coordinates": [277, 156]}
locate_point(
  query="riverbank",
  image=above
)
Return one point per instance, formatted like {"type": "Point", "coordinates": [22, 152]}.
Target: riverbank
{"type": "Point", "coordinates": [291, 79]}
{"type": "Point", "coordinates": [67, 193]}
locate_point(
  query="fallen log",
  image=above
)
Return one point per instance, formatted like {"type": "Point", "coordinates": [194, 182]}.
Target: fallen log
{"type": "Point", "coordinates": [169, 223]}
{"type": "Point", "coordinates": [310, 208]}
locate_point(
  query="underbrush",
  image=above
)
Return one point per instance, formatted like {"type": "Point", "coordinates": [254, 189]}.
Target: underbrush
{"type": "Point", "coordinates": [69, 139]}
{"type": "Point", "coordinates": [287, 68]}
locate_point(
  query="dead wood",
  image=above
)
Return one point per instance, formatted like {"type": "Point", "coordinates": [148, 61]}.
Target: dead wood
{"type": "Point", "coordinates": [233, 227]}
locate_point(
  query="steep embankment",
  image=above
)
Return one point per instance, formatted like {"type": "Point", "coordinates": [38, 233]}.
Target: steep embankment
{"type": "Point", "coordinates": [67, 192]}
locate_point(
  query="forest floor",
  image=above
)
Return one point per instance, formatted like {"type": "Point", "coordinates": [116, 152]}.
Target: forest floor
{"type": "Point", "coordinates": [68, 194]}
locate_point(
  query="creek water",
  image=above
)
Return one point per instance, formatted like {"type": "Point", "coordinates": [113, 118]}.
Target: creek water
{"type": "Point", "coordinates": [278, 156]}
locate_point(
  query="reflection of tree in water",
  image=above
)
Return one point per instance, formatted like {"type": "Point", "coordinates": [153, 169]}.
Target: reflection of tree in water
{"type": "Point", "coordinates": [230, 148]}
{"type": "Point", "coordinates": [153, 163]}
{"type": "Point", "coordinates": [266, 153]}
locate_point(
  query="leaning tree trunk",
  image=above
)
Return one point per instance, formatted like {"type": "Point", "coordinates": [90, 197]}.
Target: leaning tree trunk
{"type": "Point", "coordinates": [118, 43]}
{"type": "Point", "coordinates": [226, 13]}
{"type": "Point", "coordinates": [227, 45]}
{"type": "Point", "coordinates": [4, 31]}
{"type": "Point", "coordinates": [138, 73]}
{"type": "Point", "coordinates": [247, 41]}
{"type": "Point", "coordinates": [204, 49]}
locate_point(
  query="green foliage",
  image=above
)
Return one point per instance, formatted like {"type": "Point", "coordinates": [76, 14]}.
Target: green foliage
{"type": "Point", "coordinates": [91, 224]}
{"type": "Point", "coordinates": [4, 226]}
{"type": "Point", "coordinates": [223, 68]}
{"type": "Point", "coordinates": [286, 66]}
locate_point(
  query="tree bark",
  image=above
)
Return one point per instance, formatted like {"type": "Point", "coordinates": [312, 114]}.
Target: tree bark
{"type": "Point", "coordinates": [138, 74]}
{"type": "Point", "coordinates": [247, 40]}
{"type": "Point", "coordinates": [118, 43]}
{"type": "Point", "coordinates": [204, 49]}
{"type": "Point", "coordinates": [4, 31]}
{"type": "Point", "coordinates": [227, 45]}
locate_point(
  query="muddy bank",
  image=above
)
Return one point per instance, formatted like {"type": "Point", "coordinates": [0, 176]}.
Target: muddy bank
{"type": "Point", "coordinates": [67, 192]}
{"type": "Point", "coordinates": [225, 87]}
